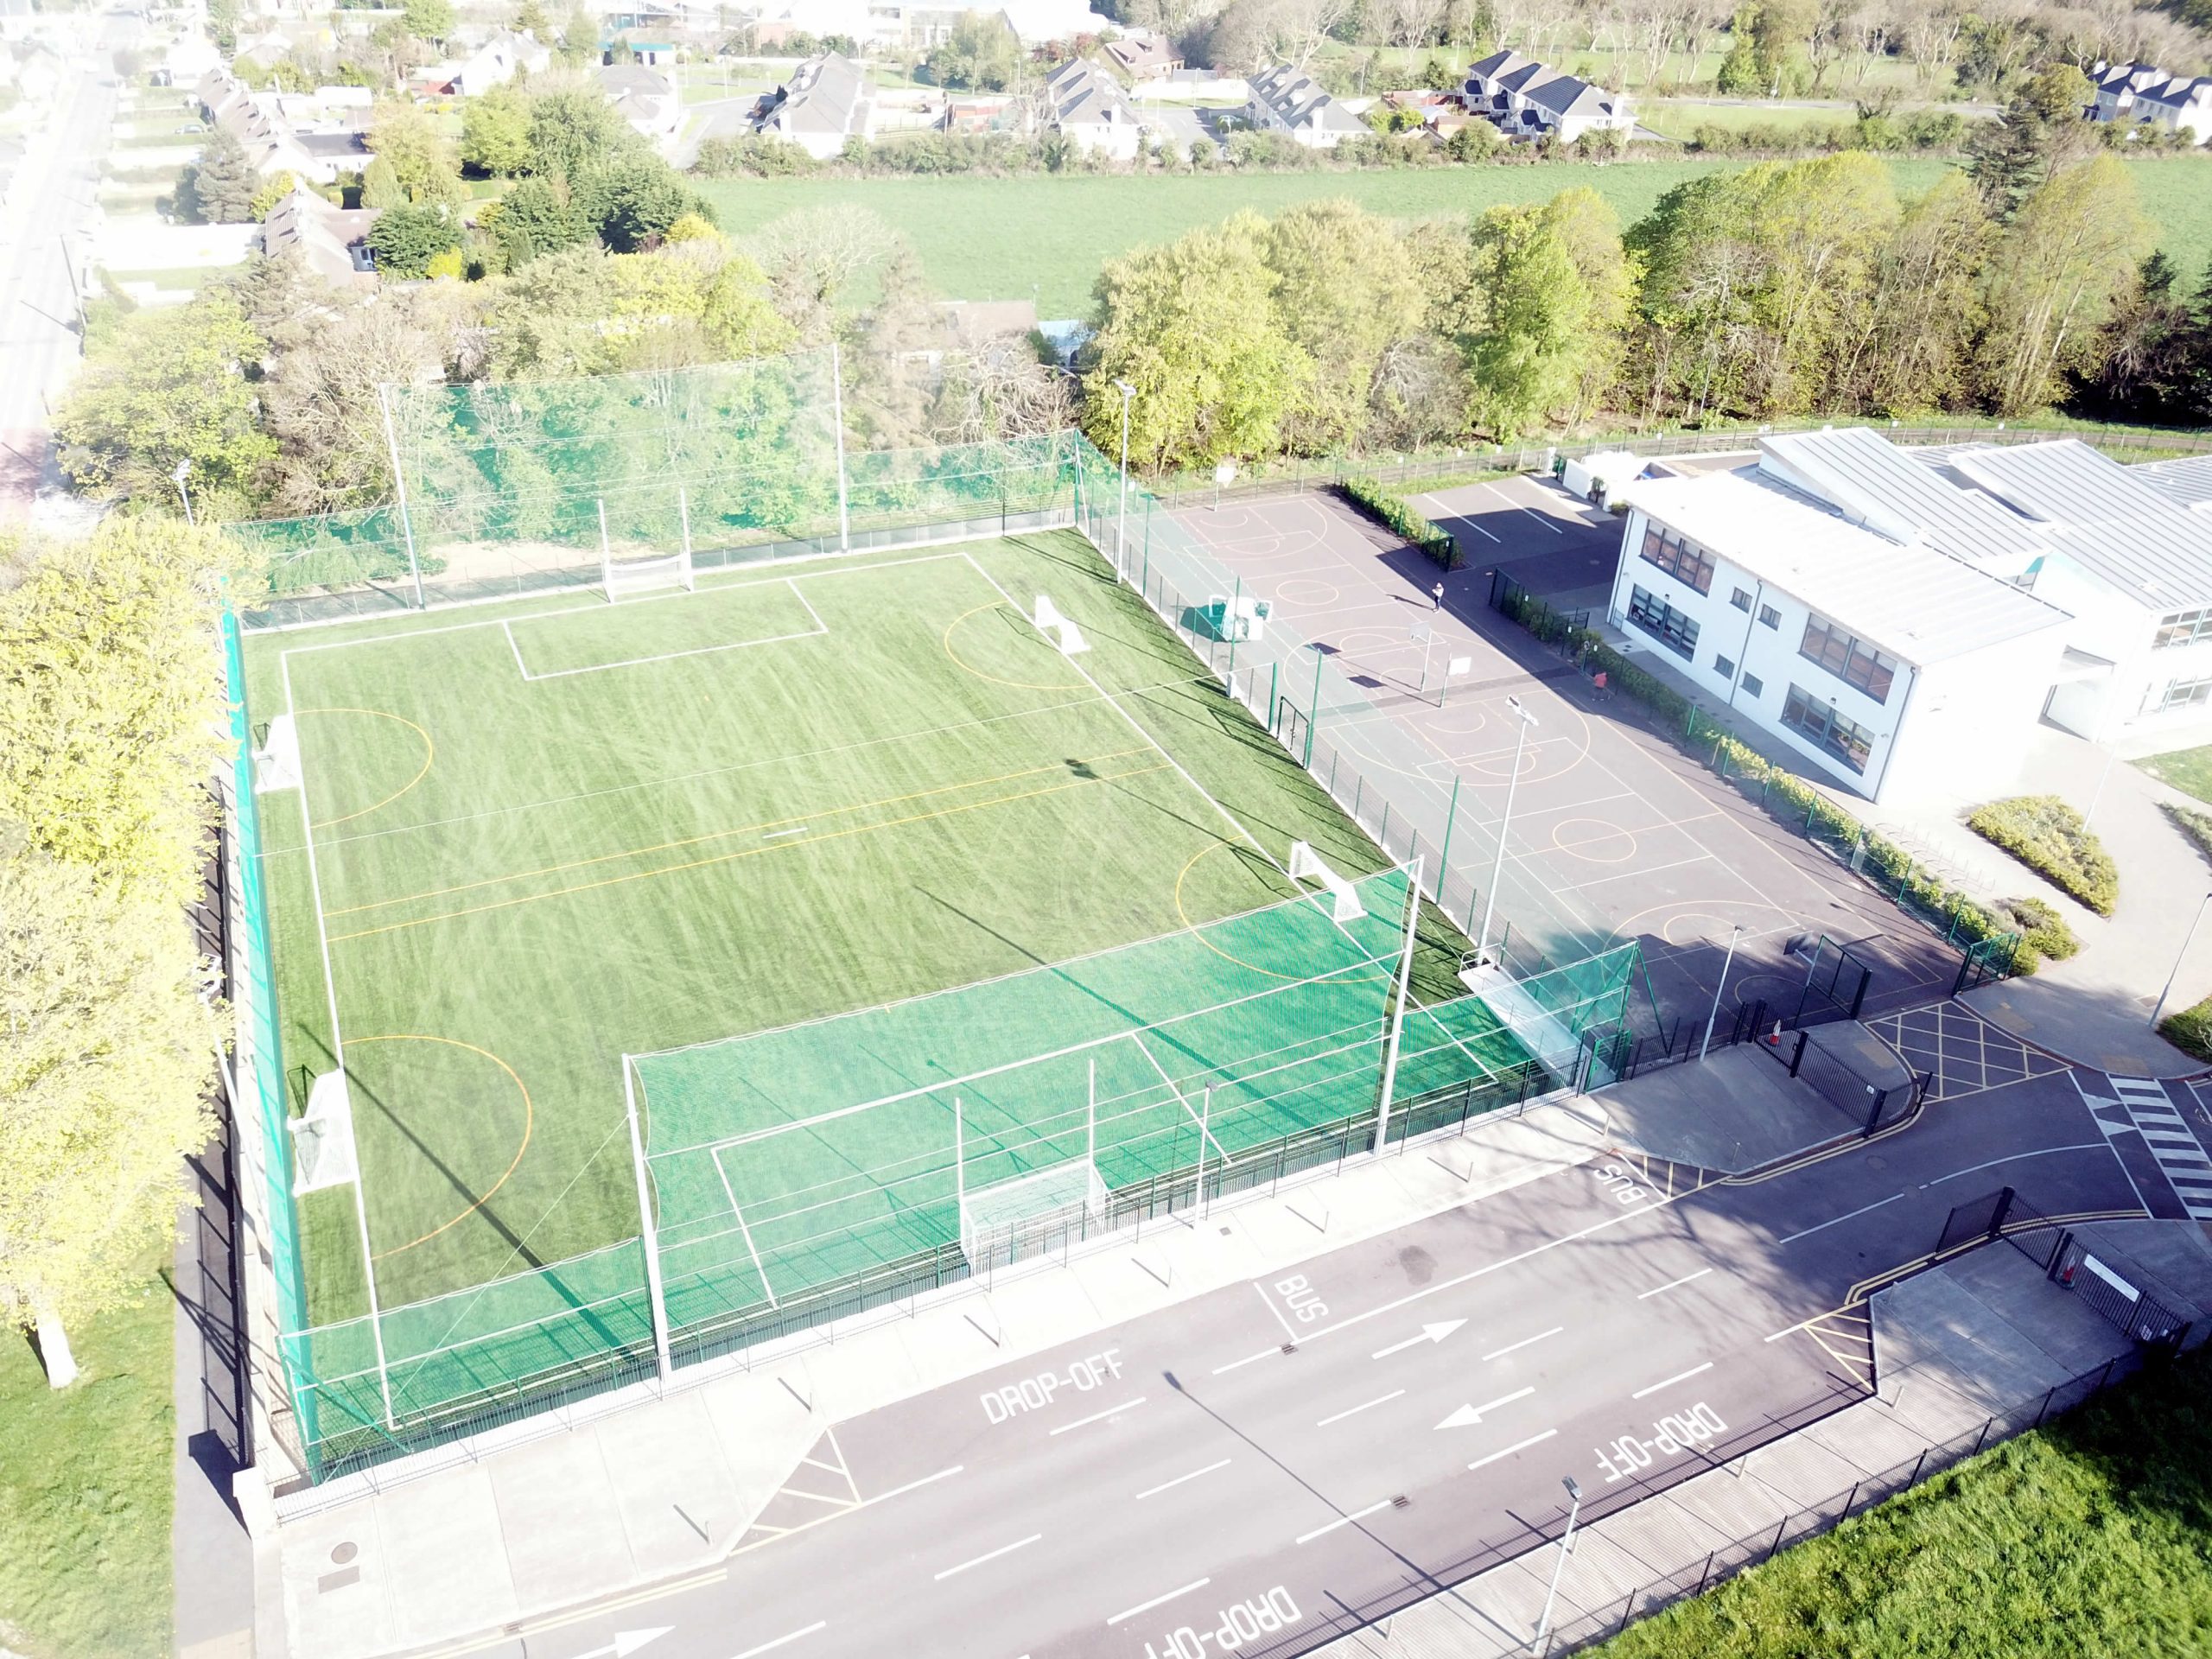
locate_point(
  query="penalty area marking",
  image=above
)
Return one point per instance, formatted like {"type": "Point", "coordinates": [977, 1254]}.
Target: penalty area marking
{"type": "Point", "coordinates": [818, 631]}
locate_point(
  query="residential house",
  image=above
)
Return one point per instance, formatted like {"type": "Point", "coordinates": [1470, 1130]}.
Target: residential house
{"type": "Point", "coordinates": [1290, 101]}
{"type": "Point", "coordinates": [1144, 57]}
{"type": "Point", "coordinates": [330, 240]}
{"type": "Point", "coordinates": [256, 120]}
{"type": "Point", "coordinates": [1089, 107]}
{"type": "Point", "coordinates": [2141, 94]}
{"type": "Point", "coordinates": [644, 98]}
{"type": "Point", "coordinates": [827, 101]}
{"type": "Point", "coordinates": [499, 60]}
{"type": "Point", "coordinates": [1527, 100]}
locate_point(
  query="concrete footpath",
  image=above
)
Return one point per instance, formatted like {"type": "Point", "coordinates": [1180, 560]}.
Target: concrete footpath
{"type": "Point", "coordinates": [1966, 1354]}
{"type": "Point", "coordinates": [640, 1487]}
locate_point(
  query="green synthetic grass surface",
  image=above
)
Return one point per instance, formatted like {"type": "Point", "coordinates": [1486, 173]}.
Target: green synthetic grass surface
{"type": "Point", "coordinates": [86, 1486]}
{"type": "Point", "coordinates": [983, 239]}
{"type": "Point", "coordinates": [523, 879]}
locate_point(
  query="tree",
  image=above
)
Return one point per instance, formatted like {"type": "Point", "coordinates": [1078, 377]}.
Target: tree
{"type": "Point", "coordinates": [633, 199]}
{"type": "Point", "coordinates": [530, 19]}
{"type": "Point", "coordinates": [320, 405]}
{"type": "Point", "coordinates": [404, 240]}
{"type": "Point", "coordinates": [2041, 131]}
{"type": "Point", "coordinates": [428, 20]}
{"type": "Point", "coordinates": [1739, 75]}
{"type": "Point", "coordinates": [981, 54]}
{"type": "Point", "coordinates": [218, 187]}
{"type": "Point", "coordinates": [405, 136]}
{"type": "Point", "coordinates": [1344, 293]}
{"type": "Point", "coordinates": [2139, 369]}
{"type": "Point", "coordinates": [1912, 352]}
{"type": "Point", "coordinates": [380, 186]}
{"type": "Point", "coordinates": [1251, 34]}
{"type": "Point", "coordinates": [574, 130]}
{"type": "Point", "coordinates": [495, 132]}
{"type": "Point", "coordinates": [1779, 29]}
{"type": "Point", "coordinates": [1194, 326]}
{"type": "Point", "coordinates": [279, 185]}
{"type": "Point", "coordinates": [536, 217]}
{"type": "Point", "coordinates": [171, 391]}
{"type": "Point", "coordinates": [1553, 293]}
{"type": "Point", "coordinates": [2068, 255]}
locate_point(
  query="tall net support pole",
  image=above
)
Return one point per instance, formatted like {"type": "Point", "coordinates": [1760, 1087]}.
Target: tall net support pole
{"type": "Point", "coordinates": [1398, 1007]}
{"type": "Point", "coordinates": [1205, 1129]}
{"type": "Point", "coordinates": [399, 484]}
{"type": "Point", "coordinates": [837, 417]}
{"type": "Point", "coordinates": [647, 1230]}
{"type": "Point", "coordinates": [684, 516]}
{"type": "Point", "coordinates": [1091, 1117]}
{"type": "Point", "coordinates": [605, 551]}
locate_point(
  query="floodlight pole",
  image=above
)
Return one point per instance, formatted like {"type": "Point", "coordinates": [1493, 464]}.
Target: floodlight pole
{"type": "Point", "coordinates": [184, 471]}
{"type": "Point", "coordinates": [1122, 517]}
{"type": "Point", "coordinates": [399, 488]}
{"type": "Point", "coordinates": [1444, 858]}
{"type": "Point", "coordinates": [1728, 961]}
{"type": "Point", "coordinates": [1398, 1007]}
{"type": "Point", "coordinates": [1313, 710]}
{"type": "Point", "coordinates": [1540, 1640]}
{"type": "Point", "coordinates": [1498, 866]}
{"type": "Point", "coordinates": [1205, 1129]}
{"type": "Point", "coordinates": [684, 516]}
{"type": "Point", "coordinates": [648, 1234]}
{"type": "Point", "coordinates": [837, 417]}
{"type": "Point", "coordinates": [1090, 1117]}
{"type": "Point", "coordinates": [2188, 939]}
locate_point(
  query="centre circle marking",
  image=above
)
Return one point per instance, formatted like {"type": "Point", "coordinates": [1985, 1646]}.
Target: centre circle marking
{"type": "Point", "coordinates": [1077, 684]}
{"type": "Point", "coordinates": [1306, 592]}
{"type": "Point", "coordinates": [1584, 845]}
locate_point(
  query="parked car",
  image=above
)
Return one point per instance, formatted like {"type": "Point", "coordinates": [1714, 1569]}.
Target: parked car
{"type": "Point", "coordinates": [194, 126]}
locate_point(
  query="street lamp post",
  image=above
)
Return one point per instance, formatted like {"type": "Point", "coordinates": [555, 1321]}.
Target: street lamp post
{"type": "Point", "coordinates": [1734, 934]}
{"type": "Point", "coordinates": [1497, 865]}
{"type": "Point", "coordinates": [1122, 518]}
{"type": "Point", "coordinates": [2187, 939]}
{"type": "Point", "coordinates": [183, 470]}
{"type": "Point", "coordinates": [1542, 1639]}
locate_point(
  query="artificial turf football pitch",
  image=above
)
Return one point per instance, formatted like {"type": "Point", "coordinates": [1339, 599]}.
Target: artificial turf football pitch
{"type": "Point", "coordinates": [548, 833]}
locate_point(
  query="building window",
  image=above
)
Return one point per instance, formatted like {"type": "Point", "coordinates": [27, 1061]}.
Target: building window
{"type": "Point", "coordinates": [2183, 628]}
{"type": "Point", "coordinates": [1724, 668]}
{"type": "Point", "coordinates": [1669, 627]}
{"type": "Point", "coordinates": [1769, 616]}
{"type": "Point", "coordinates": [1752, 686]}
{"type": "Point", "coordinates": [1685, 562]}
{"type": "Point", "coordinates": [1741, 598]}
{"type": "Point", "coordinates": [1847, 660]}
{"type": "Point", "coordinates": [2186, 694]}
{"type": "Point", "coordinates": [1826, 730]}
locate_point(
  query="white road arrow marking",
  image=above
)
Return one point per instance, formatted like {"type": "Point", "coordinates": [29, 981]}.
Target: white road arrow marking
{"type": "Point", "coordinates": [626, 1643]}
{"type": "Point", "coordinates": [1436, 1332]}
{"type": "Point", "coordinates": [1467, 1416]}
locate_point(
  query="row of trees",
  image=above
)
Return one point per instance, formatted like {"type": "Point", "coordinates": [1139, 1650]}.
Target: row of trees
{"type": "Point", "coordinates": [1784, 289]}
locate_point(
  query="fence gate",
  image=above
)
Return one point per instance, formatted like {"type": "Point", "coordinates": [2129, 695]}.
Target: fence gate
{"type": "Point", "coordinates": [1985, 959]}
{"type": "Point", "coordinates": [1294, 730]}
{"type": "Point", "coordinates": [1835, 985]}
{"type": "Point", "coordinates": [2110, 1287]}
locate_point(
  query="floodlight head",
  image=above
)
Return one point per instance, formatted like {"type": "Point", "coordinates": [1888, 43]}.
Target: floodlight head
{"type": "Point", "coordinates": [1573, 1491]}
{"type": "Point", "coordinates": [1526, 718]}
{"type": "Point", "coordinates": [1127, 390]}
{"type": "Point", "coordinates": [182, 471]}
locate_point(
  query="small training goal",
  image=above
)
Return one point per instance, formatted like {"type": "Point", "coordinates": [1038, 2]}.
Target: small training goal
{"type": "Point", "coordinates": [1059, 628]}
{"type": "Point", "coordinates": [322, 1137]}
{"type": "Point", "coordinates": [1306, 865]}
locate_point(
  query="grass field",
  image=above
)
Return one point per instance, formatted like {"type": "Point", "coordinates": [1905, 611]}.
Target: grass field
{"type": "Point", "coordinates": [2187, 770]}
{"type": "Point", "coordinates": [549, 833]}
{"type": "Point", "coordinates": [85, 1490]}
{"type": "Point", "coordinates": [982, 238]}
{"type": "Point", "coordinates": [2088, 1539]}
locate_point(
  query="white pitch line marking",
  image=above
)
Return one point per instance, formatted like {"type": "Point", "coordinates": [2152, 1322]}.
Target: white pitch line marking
{"type": "Point", "coordinates": [1680, 1377]}
{"type": "Point", "coordinates": [769, 1647]}
{"type": "Point", "coordinates": [1379, 1400]}
{"type": "Point", "coordinates": [1101, 1416]}
{"type": "Point", "coordinates": [1837, 1221]}
{"type": "Point", "coordinates": [1672, 1284]}
{"type": "Point", "coordinates": [992, 1555]}
{"type": "Point", "coordinates": [1513, 1347]}
{"type": "Point", "coordinates": [774, 835]}
{"type": "Point", "coordinates": [1154, 1491]}
{"type": "Point", "coordinates": [1342, 1521]}
{"type": "Point", "coordinates": [1157, 1601]}
{"type": "Point", "coordinates": [1518, 1445]}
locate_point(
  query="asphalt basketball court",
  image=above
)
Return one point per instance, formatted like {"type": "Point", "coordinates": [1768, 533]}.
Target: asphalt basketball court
{"type": "Point", "coordinates": [1629, 838]}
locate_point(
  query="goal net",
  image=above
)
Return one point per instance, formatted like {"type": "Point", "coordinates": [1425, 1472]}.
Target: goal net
{"type": "Point", "coordinates": [322, 1137]}
{"type": "Point", "coordinates": [276, 762]}
{"type": "Point", "coordinates": [1008, 1219]}
{"type": "Point", "coordinates": [1306, 865]}
{"type": "Point", "coordinates": [1058, 628]}
{"type": "Point", "coordinates": [624, 573]}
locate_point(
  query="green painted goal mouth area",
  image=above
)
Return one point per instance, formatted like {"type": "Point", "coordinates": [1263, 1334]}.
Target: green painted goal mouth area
{"type": "Point", "coordinates": [551, 832]}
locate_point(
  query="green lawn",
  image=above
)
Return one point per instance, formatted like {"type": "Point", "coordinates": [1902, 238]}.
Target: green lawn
{"type": "Point", "coordinates": [86, 1488]}
{"type": "Point", "coordinates": [2087, 1539]}
{"type": "Point", "coordinates": [189, 279]}
{"type": "Point", "coordinates": [998, 238]}
{"type": "Point", "coordinates": [2187, 770]}
{"type": "Point", "coordinates": [1679, 117]}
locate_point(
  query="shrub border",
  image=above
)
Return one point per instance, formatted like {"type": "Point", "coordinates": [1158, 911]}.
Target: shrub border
{"type": "Point", "coordinates": [1374, 502]}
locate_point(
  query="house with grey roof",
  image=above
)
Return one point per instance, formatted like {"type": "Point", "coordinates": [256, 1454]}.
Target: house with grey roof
{"type": "Point", "coordinates": [1527, 100]}
{"type": "Point", "coordinates": [1292, 102]}
{"type": "Point", "coordinates": [2143, 95]}
{"type": "Point", "coordinates": [827, 101]}
{"type": "Point", "coordinates": [329, 240]}
{"type": "Point", "coordinates": [1087, 106]}
{"type": "Point", "coordinates": [506, 54]}
{"type": "Point", "coordinates": [644, 98]}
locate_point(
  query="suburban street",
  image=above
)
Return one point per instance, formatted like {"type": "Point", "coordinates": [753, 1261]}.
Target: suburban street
{"type": "Point", "coordinates": [1238, 1473]}
{"type": "Point", "coordinates": [47, 219]}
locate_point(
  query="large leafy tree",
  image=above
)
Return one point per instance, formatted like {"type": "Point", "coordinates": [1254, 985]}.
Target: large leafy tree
{"type": "Point", "coordinates": [406, 240]}
{"type": "Point", "coordinates": [218, 188]}
{"type": "Point", "coordinates": [633, 200]}
{"type": "Point", "coordinates": [573, 131]}
{"type": "Point", "coordinates": [1912, 350]}
{"type": "Point", "coordinates": [1553, 293]}
{"type": "Point", "coordinates": [495, 131]}
{"type": "Point", "coordinates": [981, 54]}
{"type": "Point", "coordinates": [405, 137]}
{"type": "Point", "coordinates": [1344, 292]}
{"type": "Point", "coordinates": [2041, 131]}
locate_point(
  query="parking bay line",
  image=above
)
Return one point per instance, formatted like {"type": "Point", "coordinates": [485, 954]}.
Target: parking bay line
{"type": "Point", "coordinates": [991, 1555]}
{"type": "Point", "coordinates": [1672, 1284]}
{"type": "Point", "coordinates": [1379, 1400]}
{"type": "Point", "coordinates": [1154, 1491]}
{"type": "Point", "coordinates": [1100, 1416]}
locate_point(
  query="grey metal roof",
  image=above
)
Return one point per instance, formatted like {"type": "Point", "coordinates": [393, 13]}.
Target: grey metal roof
{"type": "Point", "coordinates": [1921, 605]}
{"type": "Point", "coordinates": [1570, 95]}
{"type": "Point", "coordinates": [2103, 516]}
{"type": "Point", "coordinates": [2188, 480]}
{"type": "Point", "coordinates": [1872, 480]}
{"type": "Point", "coordinates": [1081, 95]}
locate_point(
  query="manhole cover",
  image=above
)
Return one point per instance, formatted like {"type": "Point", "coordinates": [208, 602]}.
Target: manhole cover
{"type": "Point", "coordinates": [344, 1553]}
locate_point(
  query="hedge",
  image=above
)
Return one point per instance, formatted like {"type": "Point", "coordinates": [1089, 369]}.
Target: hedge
{"type": "Point", "coordinates": [2197, 826]}
{"type": "Point", "coordinates": [2045, 936]}
{"type": "Point", "coordinates": [2051, 838]}
{"type": "Point", "coordinates": [1394, 515]}
{"type": "Point", "coordinates": [2191, 1031]}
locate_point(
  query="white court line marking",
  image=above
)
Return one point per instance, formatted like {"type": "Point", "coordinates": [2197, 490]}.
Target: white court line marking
{"type": "Point", "coordinates": [992, 1555]}
{"type": "Point", "coordinates": [2084, 1146]}
{"type": "Point", "coordinates": [1680, 1377]}
{"type": "Point", "coordinates": [777, 835]}
{"type": "Point", "coordinates": [1446, 517]}
{"type": "Point", "coordinates": [1379, 1400]}
{"type": "Point", "coordinates": [1518, 1445]}
{"type": "Point", "coordinates": [1661, 1290]}
{"type": "Point", "coordinates": [1154, 1491]}
{"type": "Point", "coordinates": [1342, 1521]}
{"type": "Point", "coordinates": [1835, 1221]}
{"type": "Point", "coordinates": [1100, 1416]}
{"type": "Point", "coordinates": [769, 1647]}
{"type": "Point", "coordinates": [1543, 518]}
{"type": "Point", "coordinates": [1157, 1601]}
{"type": "Point", "coordinates": [1513, 1347]}
{"type": "Point", "coordinates": [738, 1210]}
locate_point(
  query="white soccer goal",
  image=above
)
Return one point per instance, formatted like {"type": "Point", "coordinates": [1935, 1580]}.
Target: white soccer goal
{"type": "Point", "coordinates": [1306, 865]}
{"type": "Point", "coordinates": [276, 762]}
{"type": "Point", "coordinates": [622, 577]}
{"type": "Point", "coordinates": [1063, 632]}
{"type": "Point", "coordinates": [1014, 1218]}
{"type": "Point", "coordinates": [322, 1137]}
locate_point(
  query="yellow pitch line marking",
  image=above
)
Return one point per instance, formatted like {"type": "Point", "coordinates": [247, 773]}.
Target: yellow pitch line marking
{"type": "Point", "coordinates": [748, 852]}
{"type": "Point", "coordinates": [429, 756]}
{"type": "Point", "coordinates": [528, 1123]}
